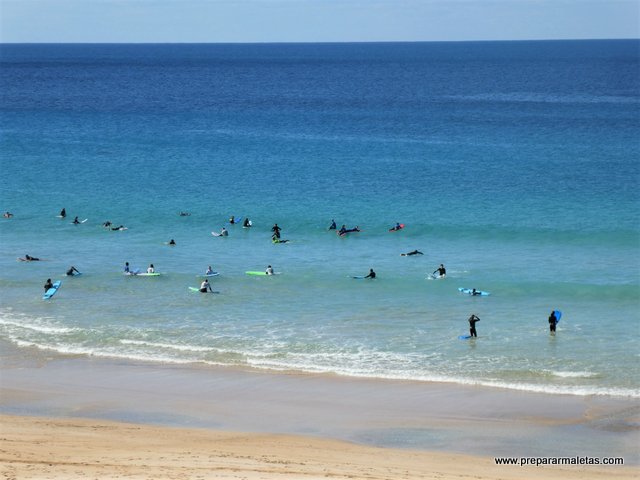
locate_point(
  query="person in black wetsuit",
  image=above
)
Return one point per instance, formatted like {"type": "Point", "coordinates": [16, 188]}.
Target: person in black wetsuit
{"type": "Point", "coordinates": [553, 321]}
{"type": "Point", "coordinates": [76, 221]}
{"type": "Point", "coordinates": [247, 223]}
{"type": "Point", "coordinates": [472, 325]}
{"type": "Point", "coordinates": [440, 270]}
{"type": "Point", "coordinates": [372, 274]}
{"type": "Point", "coordinates": [48, 285]}
{"type": "Point", "coordinates": [172, 242]}
{"type": "Point", "coordinates": [29, 258]}
{"type": "Point", "coordinates": [415, 252]}
{"type": "Point", "coordinates": [71, 270]}
{"type": "Point", "coordinates": [276, 230]}
{"type": "Point", "coordinates": [333, 225]}
{"type": "Point", "coordinates": [63, 212]}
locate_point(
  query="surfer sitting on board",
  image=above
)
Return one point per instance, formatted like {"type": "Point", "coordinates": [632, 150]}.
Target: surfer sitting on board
{"type": "Point", "coordinates": [151, 269]}
{"type": "Point", "coordinates": [247, 223]}
{"type": "Point", "coordinates": [71, 270]}
{"type": "Point", "coordinates": [172, 242]}
{"type": "Point", "coordinates": [209, 270]}
{"type": "Point", "coordinates": [269, 270]}
{"type": "Point", "coordinates": [472, 325]}
{"type": "Point", "coordinates": [76, 221]}
{"type": "Point", "coordinates": [440, 270]}
{"type": "Point", "coordinates": [553, 321]}
{"type": "Point", "coordinates": [48, 285]}
{"type": "Point", "coordinates": [63, 213]}
{"type": "Point", "coordinates": [415, 252]}
{"type": "Point", "coordinates": [372, 274]}
{"type": "Point", "coordinates": [224, 233]}
{"type": "Point", "coordinates": [333, 225]}
{"type": "Point", "coordinates": [204, 286]}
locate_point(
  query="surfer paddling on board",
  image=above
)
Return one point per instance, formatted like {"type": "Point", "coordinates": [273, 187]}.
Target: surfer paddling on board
{"type": "Point", "coordinates": [372, 274]}
{"type": "Point", "coordinates": [415, 252]}
{"type": "Point", "coordinates": [7, 214]}
{"type": "Point", "coordinates": [473, 319]}
{"type": "Point", "coordinates": [553, 321]}
{"type": "Point", "coordinates": [396, 228]}
{"type": "Point", "coordinates": [205, 286]}
{"type": "Point", "coordinates": [72, 269]}
{"type": "Point", "coordinates": [29, 258]}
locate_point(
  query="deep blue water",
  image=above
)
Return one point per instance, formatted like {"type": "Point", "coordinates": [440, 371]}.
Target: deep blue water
{"type": "Point", "coordinates": [513, 163]}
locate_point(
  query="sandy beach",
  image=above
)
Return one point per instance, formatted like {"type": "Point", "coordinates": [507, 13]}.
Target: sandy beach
{"type": "Point", "coordinates": [73, 417]}
{"type": "Point", "coordinates": [81, 449]}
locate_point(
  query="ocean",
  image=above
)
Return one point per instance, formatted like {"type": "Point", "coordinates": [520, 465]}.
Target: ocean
{"type": "Point", "coordinates": [514, 164]}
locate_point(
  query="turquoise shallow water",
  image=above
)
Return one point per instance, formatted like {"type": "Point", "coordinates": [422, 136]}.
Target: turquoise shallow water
{"type": "Point", "coordinates": [514, 164]}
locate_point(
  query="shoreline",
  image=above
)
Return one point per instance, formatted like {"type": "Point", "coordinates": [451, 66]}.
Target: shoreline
{"type": "Point", "coordinates": [102, 449]}
{"type": "Point", "coordinates": [422, 416]}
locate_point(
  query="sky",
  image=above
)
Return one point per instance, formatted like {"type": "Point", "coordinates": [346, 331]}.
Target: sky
{"type": "Point", "coordinates": [240, 21]}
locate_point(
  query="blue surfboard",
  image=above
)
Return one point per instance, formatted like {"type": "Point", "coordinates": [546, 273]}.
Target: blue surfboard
{"type": "Point", "coordinates": [558, 315]}
{"type": "Point", "coordinates": [464, 337]}
{"type": "Point", "coordinates": [52, 291]}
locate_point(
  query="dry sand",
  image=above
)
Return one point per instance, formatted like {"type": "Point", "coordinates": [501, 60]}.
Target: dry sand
{"type": "Point", "coordinates": [46, 448]}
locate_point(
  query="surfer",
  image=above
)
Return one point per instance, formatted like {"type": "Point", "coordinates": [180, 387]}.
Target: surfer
{"type": "Point", "coordinates": [29, 258]}
{"type": "Point", "coordinates": [71, 270]}
{"type": "Point", "coordinates": [441, 271]}
{"type": "Point", "coordinates": [209, 270]}
{"type": "Point", "coordinates": [269, 270]}
{"type": "Point", "coordinates": [184, 214]}
{"type": "Point", "coordinates": [205, 286]}
{"type": "Point", "coordinates": [275, 239]}
{"type": "Point", "coordinates": [472, 325]}
{"type": "Point", "coordinates": [119, 227]}
{"type": "Point", "coordinates": [151, 269]}
{"type": "Point", "coordinates": [276, 230]}
{"type": "Point", "coordinates": [396, 228]}
{"type": "Point", "coordinates": [333, 225]}
{"type": "Point", "coordinates": [126, 267]}
{"type": "Point", "coordinates": [63, 213]}
{"type": "Point", "coordinates": [172, 242]}
{"type": "Point", "coordinates": [232, 220]}
{"type": "Point", "coordinates": [475, 292]}
{"type": "Point", "coordinates": [107, 224]}
{"type": "Point", "coordinates": [553, 321]}
{"type": "Point", "coordinates": [372, 274]}
{"type": "Point", "coordinates": [414, 252]}
{"type": "Point", "coordinates": [224, 233]}
{"type": "Point", "coordinates": [76, 221]}
{"type": "Point", "coordinates": [7, 214]}
{"type": "Point", "coordinates": [48, 285]}
{"type": "Point", "coordinates": [247, 223]}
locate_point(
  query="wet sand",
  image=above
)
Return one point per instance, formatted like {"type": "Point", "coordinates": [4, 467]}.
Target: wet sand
{"type": "Point", "coordinates": [314, 426]}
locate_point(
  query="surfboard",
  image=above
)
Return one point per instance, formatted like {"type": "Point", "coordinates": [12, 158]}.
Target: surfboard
{"type": "Point", "coordinates": [145, 274]}
{"type": "Point", "coordinates": [216, 234]}
{"type": "Point", "coordinates": [558, 315]}
{"type": "Point", "coordinates": [464, 337]}
{"type": "Point", "coordinates": [469, 291]}
{"type": "Point", "coordinates": [394, 229]}
{"type": "Point", "coordinates": [197, 290]}
{"type": "Point", "coordinates": [132, 272]}
{"type": "Point", "coordinates": [261, 273]}
{"type": "Point", "coordinates": [212, 274]}
{"type": "Point", "coordinates": [436, 277]}
{"type": "Point", "coordinates": [52, 291]}
{"type": "Point", "coordinates": [82, 221]}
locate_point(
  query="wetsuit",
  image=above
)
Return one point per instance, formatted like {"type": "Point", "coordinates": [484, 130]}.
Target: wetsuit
{"type": "Point", "coordinates": [472, 325]}
{"type": "Point", "coordinates": [372, 274]}
{"type": "Point", "coordinates": [553, 321]}
{"type": "Point", "coordinates": [48, 285]}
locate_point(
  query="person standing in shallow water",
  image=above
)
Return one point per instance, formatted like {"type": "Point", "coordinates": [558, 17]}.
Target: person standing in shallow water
{"type": "Point", "coordinates": [553, 321]}
{"type": "Point", "coordinates": [473, 319]}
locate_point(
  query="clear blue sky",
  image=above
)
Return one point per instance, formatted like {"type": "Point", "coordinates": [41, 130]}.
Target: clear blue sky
{"type": "Point", "coordinates": [314, 20]}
